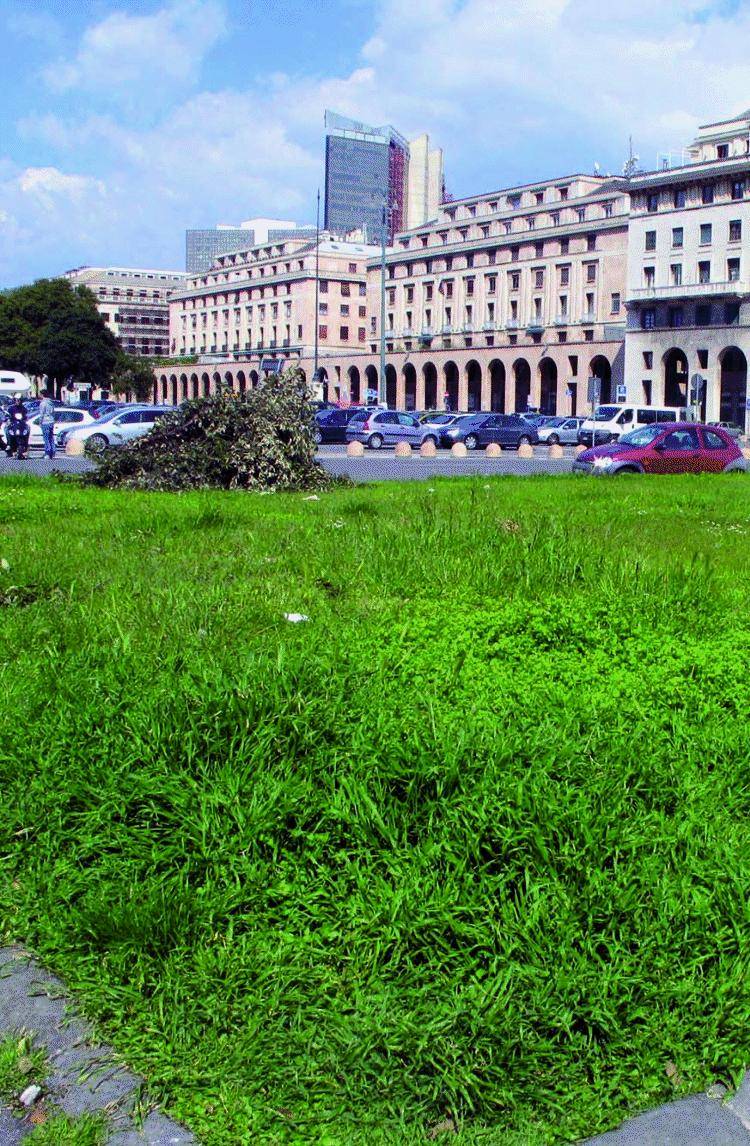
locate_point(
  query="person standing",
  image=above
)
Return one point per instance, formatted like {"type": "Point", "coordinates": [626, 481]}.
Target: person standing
{"type": "Point", "coordinates": [47, 423]}
{"type": "Point", "coordinates": [17, 429]}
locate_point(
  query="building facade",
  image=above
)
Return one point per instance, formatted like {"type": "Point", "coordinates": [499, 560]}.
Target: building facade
{"type": "Point", "coordinates": [202, 247]}
{"type": "Point", "coordinates": [688, 291]}
{"type": "Point", "coordinates": [133, 303]}
{"type": "Point", "coordinates": [261, 302]}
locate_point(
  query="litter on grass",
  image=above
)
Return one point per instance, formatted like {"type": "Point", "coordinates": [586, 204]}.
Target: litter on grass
{"type": "Point", "coordinates": [295, 618]}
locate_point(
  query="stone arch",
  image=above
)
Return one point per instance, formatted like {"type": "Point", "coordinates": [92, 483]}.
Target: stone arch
{"type": "Point", "coordinates": [164, 387]}
{"type": "Point", "coordinates": [473, 386]}
{"type": "Point", "coordinates": [355, 386]}
{"type": "Point", "coordinates": [302, 376]}
{"type": "Point", "coordinates": [521, 385]}
{"type": "Point", "coordinates": [371, 378]}
{"type": "Point", "coordinates": [241, 381]}
{"type": "Point", "coordinates": [194, 385]}
{"type": "Point", "coordinates": [732, 385]}
{"type": "Point", "coordinates": [450, 385]}
{"type": "Point", "coordinates": [173, 388]}
{"type": "Point", "coordinates": [429, 374]}
{"type": "Point", "coordinates": [548, 386]}
{"type": "Point", "coordinates": [229, 382]}
{"type": "Point", "coordinates": [205, 385]}
{"type": "Point", "coordinates": [675, 365]}
{"type": "Point", "coordinates": [391, 387]}
{"type": "Point", "coordinates": [497, 385]}
{"type": "Point", "coordinates": [216, 382]}
{"type": "Point", "coordinates": [253, 378]}
{"type": "Point", "coordinates": [184, 387]}
{"type": "Point", "coordinates": [410, 386]}
{"type": "Point", "coordinates": [600, 367]}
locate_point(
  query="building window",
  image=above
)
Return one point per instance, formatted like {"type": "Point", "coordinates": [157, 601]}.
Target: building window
{"type": "Point", "coordinates": [722, 151]}
{"type": "Point", "coordinates": [563, 191]}
{"type": "Point", "coordinates": [514, 202]}
{"type": "Point", "coordinates": [555, 218]}
{"type": "Point", "coordinates": [679, 199]}
{"type": "Point", "coordinates": [705, 234]}
{"type": "Point", "coordinates": [648, 318]}
{"type": "Point", "coordinates": [322, 332]}
{"type": "Point", "coordinates": [648, 276]}
{"type": "Point", "coordinates": [704, 272]}
{"type": "Point", "coordinates": [581, 213]}
{"type": "Point", "coordinates": [591, 272]}
{"type": "Point", "coordinates": [676, 273]}
{"type": "Point", "coordinates": [738, 188]}
{"type": "Point", "coordinates": [591, 242]}
{"type": "Point", "coordinates": [410, 294]}
{"type": "Point", "coordinates": [323, 308]}
{"type": "Point", "coordinates": [352, 268]}
{"type": "Point", "coordinates": [469, 286]}
{"type": "Point", "coordinates": [648, 359]}
{"type": "Point", "coordinates": [678, 236]}
{"type": "Point", "coordinates": [531, 222]}
{"type": "Point", "coordinates": [608, 210]}
{"type": "Point", "coordinates": [731, 313]}
{"type": "Point", "coordinates": [515, 280]}
{"type": "Point", "coordinates": [507, 226]}
{"type": "Point", "coordinates": [703, 315]}
{"type": "Point", "coordinates": [361, 334]}
{"type": "Point", "coordinates": [733, 270]}
{"type": "Point", "coordinates": [538, 280]}
{"type": "Point", "coordinates": [344, 311]}
{"type": "Point", "coordinates": [344, 333]}
{"type": "Point", "coordinates": [539, 197]}
{"type": "Point", "coordinates": [650, 240]}
{"type": "Point", "coordinates": [676, 316]}
{"type": "Point", "coordinates": [588, 336]}
{"type": "Point", "coordinates": [615, 308]}
{"type": "Point", "coordinates": [652, 202]}
{"type": "Point", "coordinates": [538, 250]}
{"type": "Point", "coordinates": [564, 246]}
{"type": "Point", "coordinates": [514, 254]}
{"type": "Point", "coordinates": [485, 231]}
{"type": "Point", "coordinates": [491, 284]}
{"type": "Point", "coordinates": [345, 290]}
{"type": "Point", "coordinates": [707, 193]}
{"type": "Point", "coordinates": [564, 276]}
{"type": "Point", "coordinates": [363, 312]}
{"type": "Point", "coordinates": [323, 286]}
{"type": "Point", "coordinates": [362, 289]}
{"type": "Point", "coordinates": [428, 292]}
{"type": "Point", "coordinates": [735, 230]}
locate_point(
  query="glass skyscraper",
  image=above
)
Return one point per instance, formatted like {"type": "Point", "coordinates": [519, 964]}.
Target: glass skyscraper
{"type": "Point", "coordinates": [366, 167]}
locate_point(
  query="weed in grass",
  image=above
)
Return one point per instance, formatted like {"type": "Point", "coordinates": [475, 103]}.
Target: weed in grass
{"type": "Point", "coordinates": [61, 1130]}
{"type": "Point", "coordinates": [20, 1066]}
{"type": "Point", "coordinates": [471, 846]}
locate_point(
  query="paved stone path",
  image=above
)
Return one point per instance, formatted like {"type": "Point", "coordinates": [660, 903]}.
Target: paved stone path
{"type": "Point", "coordinates": [84, 1076]}
{"type": "Point", "coordinates": [696, 1121]}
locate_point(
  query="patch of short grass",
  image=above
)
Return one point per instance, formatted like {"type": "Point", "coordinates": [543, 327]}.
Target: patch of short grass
{"type": "Point", "coordinates": [62, 1130]}
{"type": "Point", "coordinates": [469, 845]}
{"type": "Point", "coordinates": [20, 1065]}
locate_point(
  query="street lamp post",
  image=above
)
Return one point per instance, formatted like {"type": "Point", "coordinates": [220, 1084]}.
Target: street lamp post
{"type": "Point", "coordinates": [382, 389]}
{"type": "Point", "coordinates": [316, 372]}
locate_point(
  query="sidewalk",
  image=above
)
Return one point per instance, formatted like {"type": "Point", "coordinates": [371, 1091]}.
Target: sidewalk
{"type": "Point", "coordinates": [701, 1120]}
{"type": "Point", "coordinates": [84, 1077]}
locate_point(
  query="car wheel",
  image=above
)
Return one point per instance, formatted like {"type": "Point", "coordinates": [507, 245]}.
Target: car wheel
{"type": "Point", "coordinates": [625, 470]}
{"type": "Point", "coordinates": [375, 442]}
{"type": "Point", "coordinates": [317, 437]}
{"type": "Point", "coordinates": [553, 440]}
{"type": "Point", "coordinates": [430, 438]}
{"type": "Point", "coordinates": [471, 441]}
{"type": "Point", "coordinates": [524, 440]}
{"type": "Point", "coordinates": [97, 442]}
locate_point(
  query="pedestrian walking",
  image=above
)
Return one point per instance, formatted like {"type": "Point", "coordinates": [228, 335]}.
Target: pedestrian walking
{"type": "Point", "coordinates": [47, 422]}
{"type": "Point", "coordinates": [17, 429]}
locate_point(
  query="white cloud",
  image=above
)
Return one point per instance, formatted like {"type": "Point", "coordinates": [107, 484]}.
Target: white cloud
{"type": "Point", "coordinates": [126, 57]}
{"type": "Point", "coordinates": [49, 186]}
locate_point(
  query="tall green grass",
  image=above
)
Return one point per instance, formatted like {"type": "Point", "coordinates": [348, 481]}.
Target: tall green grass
{"type": "Point", "coordinates": [471, 844]}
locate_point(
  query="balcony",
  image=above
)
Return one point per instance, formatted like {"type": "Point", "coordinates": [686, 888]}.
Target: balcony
{"type": "Point", "coordinates": [588, 318]}
{"type": "Point", "coordinates": [726, 289]}
{"type": "Point", "coordinates": [407, 332]}
{"type": "Point", "coordinates": [447, 328]}
{"type": "Point", "coordinates": [468, 328]}
{"type": "Point", "coordinates": [285, 342]}
{"type": "Point", "coordinates": [535, 326]}
{"type": "Point", "coordinates": [426, 333]}
{"type": "Point", "coordinates": [489, 326]}
{"type": "Point", "coordinates": [562, 319]}
{"type": "Point", "coordinates": [512, 324]}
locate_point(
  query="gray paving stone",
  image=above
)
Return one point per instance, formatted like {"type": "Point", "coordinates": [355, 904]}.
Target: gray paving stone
{"type": "Point", "coordinates": [84, 1077]}
{"type": "Point", "coordinates": [695, 1121]}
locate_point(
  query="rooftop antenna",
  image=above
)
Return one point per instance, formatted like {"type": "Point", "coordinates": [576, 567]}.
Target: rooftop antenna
{"type": "Point", "coordinates": [630, 166]}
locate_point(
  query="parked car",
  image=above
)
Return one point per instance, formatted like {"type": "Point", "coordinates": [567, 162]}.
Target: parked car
{"type": "Point", "coordinates": [559, 431]}
{"type": "Point", "coordinates": [731, 428]}
{"type": "Point", "coordinates": [116, 428]}
{"type": "Point", "coordinates": [438, 421]}
{"type": "Point", "coordinates": [611, 422]}
{"type": "Point", "coordinates": [534, 418]}
{"type": "Point", "coordinates": [65, 419]}
{"type": "Point", "coordinates": [671, 448]}
{"type": "Point", "coordinates": [378, 428]}
{"type": "Point", "coordinates": [330, 425]}
{"type": "Point", "coordinates": [476, 430]}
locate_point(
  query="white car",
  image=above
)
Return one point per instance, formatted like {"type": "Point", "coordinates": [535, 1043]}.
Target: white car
{"type": "Point", "coordinates": [116, 428]}
{"type": "Point", "coordinates": [64, 420]}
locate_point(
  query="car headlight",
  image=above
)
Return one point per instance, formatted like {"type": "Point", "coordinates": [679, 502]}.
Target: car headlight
{"type": "Point", "coordinates": [603, 463]}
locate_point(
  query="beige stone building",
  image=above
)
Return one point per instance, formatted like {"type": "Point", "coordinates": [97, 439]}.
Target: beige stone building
{"type": "Point", "coordinates": [134, 303]}
{"type": "Point", "coordinates": [688, 292]}
{"type": "Point", "coordinates": [506, 301]}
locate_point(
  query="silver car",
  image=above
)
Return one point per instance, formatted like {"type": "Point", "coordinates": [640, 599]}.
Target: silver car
{"type": "Point", "coordinates": [378, 428]}
{"type": "Point", "coordinates": [560, 431]}
{"type": "Point", "coordinates": [117, 427]}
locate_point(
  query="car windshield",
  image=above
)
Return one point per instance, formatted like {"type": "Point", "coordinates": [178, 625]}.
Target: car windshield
{"type": "Point", "coordinates": [554, 422]}
{"type": "Point", "coordinates": [606, 413]}
{"type": "Point", "coordinates": [642, 437]}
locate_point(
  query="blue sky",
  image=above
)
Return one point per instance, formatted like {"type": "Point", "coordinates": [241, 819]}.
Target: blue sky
{"type": "Point", "coordinates": [122, 124]}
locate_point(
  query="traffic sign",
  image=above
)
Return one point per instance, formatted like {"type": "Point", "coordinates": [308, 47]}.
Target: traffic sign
{"type": "Point", "coordinates": [272, 365]}
{"type": "Point", "coordinates": [622, 392]}
{"type": "Point", "coordinates": [594, 389]}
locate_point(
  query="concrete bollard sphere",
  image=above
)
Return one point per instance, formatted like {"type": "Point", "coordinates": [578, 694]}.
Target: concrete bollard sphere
{"type": "Point", "coordinates": [556, 450]}
{"type": "Point", "coordinates": [578, 450]}
{"type": "Point", "coordinates": [355, 449]}
{"type": "Point", "coordinates": [402, 450]}
{"type": "Point", "coordinates": [428, 449]}
{"type": "Point", "coordinates": [74, 447]}
{"type": "Point", "coordinates": [494, 450]}
{"type": "Point", "coordinates": [458, 449]}
{"type": "Point", "coordinates": [746, 452]}
{"type": "Point", "coordinates": [525, 451]}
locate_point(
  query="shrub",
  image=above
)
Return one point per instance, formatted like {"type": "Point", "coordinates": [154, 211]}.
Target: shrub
{"type": "Point", "coordinates": [259, 440]}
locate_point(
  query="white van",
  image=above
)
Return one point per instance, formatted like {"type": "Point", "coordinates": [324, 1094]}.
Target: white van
{"type": "Point", "coordinates": [11, 382]}
{"type": "Point", "coordinates": [611, 422]}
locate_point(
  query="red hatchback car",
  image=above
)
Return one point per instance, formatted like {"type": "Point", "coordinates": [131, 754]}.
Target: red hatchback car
{"type": "Point", "coordinates": [666, 448]}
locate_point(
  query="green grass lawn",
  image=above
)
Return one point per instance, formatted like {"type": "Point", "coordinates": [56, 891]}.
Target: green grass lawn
{"type": "Point", "coordinates": [472, 843]}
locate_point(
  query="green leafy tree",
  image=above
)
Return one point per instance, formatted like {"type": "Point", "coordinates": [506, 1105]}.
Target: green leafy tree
{"type": "Point", "coordinates": [133, 376]}
{"type": "Point", "coordinates": [52, 328]}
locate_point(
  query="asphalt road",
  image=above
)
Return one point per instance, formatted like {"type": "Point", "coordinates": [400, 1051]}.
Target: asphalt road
{"type": "Point", "coordinates": [375, 465]}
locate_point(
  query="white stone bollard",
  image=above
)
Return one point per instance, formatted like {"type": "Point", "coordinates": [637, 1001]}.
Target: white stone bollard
{"type": "Point", "coordinates": [402, 450]}
{"type": "Point", "coordinates": [525, 451]}
{"type": "Point", "coordinates": [494, 450]}
{"type": "Point", "coordinates": [458, 449]}
{"type": "Point", "coordinates": [556, 450]}
{"type": "Point", "coordinates": [428, 449]}
{"type": "Point", "coordinates": [74, 447]}
{"type": "Point", "coordinates": [354, 449]}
